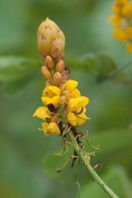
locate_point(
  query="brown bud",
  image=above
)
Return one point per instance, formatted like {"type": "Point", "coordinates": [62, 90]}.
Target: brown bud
{"type": "Point", "coordinates": [62, 100]}
{"type": "Point", "coordinates": [66, 93]}
{"type": "Point", "coordinates": [48, 83]}
{"type": "Point", "coordinates": [66, 74]}
{"type": "Point", "coordinates": [49, 62]}
{"type": "Point", "coordinates": [60, 66]}
{"type": "Point", "coordinates": [45, 72]}
{"type": "Point", "coordinates": [51, 40]}
{"type": "Point", "coordinates": [57, 78]}
{"type": "Point", "coordinates": [57, 49]}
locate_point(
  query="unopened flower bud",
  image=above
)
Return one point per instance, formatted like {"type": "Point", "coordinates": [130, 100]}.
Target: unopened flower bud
{"type": "Point", "coordinates": [49, 62]}
{"type": "Point", "coordinates": [62, 100]}
{"type": "Point", "coordinates": [51, 40]}
{"type": "Point", "coordinates": [57, 78]}
{"type": "Point", "coordinates": [45, 72]}
{"type": "Point", "coordinates": [66, 93]}
{"type": "Point", "coordinates": [57, 49]}
{"type": "Point", "coordinates": [60, 66]}
{"type": "Point", "coordinates": [48, 83]}
{"type": "Point", "coordinates": [66, 74]}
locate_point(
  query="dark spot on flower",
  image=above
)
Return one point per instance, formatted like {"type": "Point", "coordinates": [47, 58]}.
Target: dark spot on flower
{"type": "Point", "coordinates": [43, 37]}
{"type": "Point", "coordinates": [52, 108]}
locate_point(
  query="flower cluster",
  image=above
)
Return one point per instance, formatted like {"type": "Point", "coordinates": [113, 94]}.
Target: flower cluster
{"type": "Point", "coordinates": [63, 105]}
{"type": "Point", "coordinates": [122, 20]}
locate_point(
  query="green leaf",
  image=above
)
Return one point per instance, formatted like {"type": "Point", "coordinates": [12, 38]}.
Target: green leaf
{"type": "Point", "coordinates": [14, 67]}
{"type": "Point", "coordinates": [87, 63]}
{"type": "Point", "coordinates": [16, 72]}
{"type": "Point", "coordinates": [106, 64]}
{"type": "Point", "coordinates": [115, 178]}
{"type": "Point", "coordinates": [98, 64]}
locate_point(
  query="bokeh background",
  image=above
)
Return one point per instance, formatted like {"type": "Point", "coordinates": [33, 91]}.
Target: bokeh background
{"type": "Point", "coordinates": [27, 164]}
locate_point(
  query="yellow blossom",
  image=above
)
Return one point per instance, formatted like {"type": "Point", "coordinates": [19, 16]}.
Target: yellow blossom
{"type": "Point", "coordinates": [51, 91]}
{"type": "Point", "coordinates": [51, 95]}
{"type": "Point", "coordinates": [42, 112]}
{"type": "Point", "coordinates": [75, 93]}
{"type": "Point", "coordinates": [77, 119]}
{"type": "Point", "coordinates": [129, 47]}
{"type": "Point", "coordinates": [119, 34]}
{"type": "Point", "coordinates": [116, 20]}
{"type": "Point", "coordinates": [76, 104]}
{"type": "Point", "coordinates": [128, 32]}
{"type": "Point", "coordinates": [51, 127]}
{"type": "Point", "coordinates": [127, 10]}
{"type": "Point", "coordinates": [122, 20]}
{"type": "Point", "coordinates": [70, 85]}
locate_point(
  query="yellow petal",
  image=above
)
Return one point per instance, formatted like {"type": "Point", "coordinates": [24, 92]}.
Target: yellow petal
{"type": "Point", "coordinates": [75, 104]}
{"type": "Point", "coordinates": [82, 118]}
{"type": "Point", "coordinates": [54, 100]}
{"type": "Point", "coordinates": [72, 119]}
{"type": "Point", "coordinates": [75, 93]}
{"type": "Point", "coordinates": [51, 127]}
{"type": "Point", "coordinates": [128, 32]}
{"type": "Point", "coordinates": [51, 91]}
{"type": "Point", "coordinates": [129, 47]}
{"type": "Point", "coordinates": [115, 20]}
{"type": "Point", "coordinates": [119, 34]}
{"type": "Point", "coordinates": [70, 85]}
{"type": "Point", "coordinates": [42, 112]}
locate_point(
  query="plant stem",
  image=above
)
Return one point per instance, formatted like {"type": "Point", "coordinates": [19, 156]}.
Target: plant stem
{"type": "Point", "coordinates": [93, 173]}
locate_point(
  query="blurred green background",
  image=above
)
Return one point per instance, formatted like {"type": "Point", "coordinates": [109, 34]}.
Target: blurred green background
{"type": "Point", "coordinates": [27, 165]}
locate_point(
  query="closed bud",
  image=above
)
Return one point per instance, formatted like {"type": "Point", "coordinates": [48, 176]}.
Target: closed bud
{"type": "Point", "coordinates": [60, 66]}
{"type": "Point", "coordinates": [57, 49]}
{"type": "Point", "coordinates": [66, 74]}
{"type": "Point", "coordinates": [45, 72]}
{"type": "Point", "coordinates": [63, 100]}
{"type": "Point", "coordinates": [51, 40]}
{"type": "Point", "coordinates": [49, 62]}
{"type": "Point", "coordinates": [57, 78]}
{"type": "Point", "coordinates": [48, 83]}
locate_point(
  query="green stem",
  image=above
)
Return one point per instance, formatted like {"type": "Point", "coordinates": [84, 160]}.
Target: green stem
{"type": "Point", "coordinates": [94, 175]}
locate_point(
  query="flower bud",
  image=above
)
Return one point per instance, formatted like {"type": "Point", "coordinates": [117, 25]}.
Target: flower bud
{"type": "Point", "coordinates": [45, 72]}
{"type": "Point", "coordinates": [51, 40]}
{"type": "Point", "coordinates": [66, 74]}
{"type": "Point", "coordinates": [60, 66]}
{"type": "Point", "coordinates": [62, 100]}
{"type": "Point", "coordinates": [57, 49]}
{"type": "Point", "coordinates": [57, 78]}
{"type": "Point", "coordinates": [49, 62]}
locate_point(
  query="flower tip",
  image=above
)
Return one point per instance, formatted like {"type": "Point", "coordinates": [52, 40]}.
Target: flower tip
{"type": "Point", "coordinates": [51, 40]}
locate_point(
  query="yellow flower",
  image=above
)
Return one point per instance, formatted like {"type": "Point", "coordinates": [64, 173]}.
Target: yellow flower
{"type": "Point", "coordinates": [51, 95]}
{"type": "Point", "coordinates": [119, 34]}
{"type": "Point", "coordinates": [51, 127]}
{"type": "Point", "coordinates": [128, 32]}
{"type": "Point", "coordinates": [70, 85]}
{"type": "Point", "coordinates": [42, 112]}
{"type": "Point", "coordinates": [76, 104]}
{"type": "Point", "coordinates": [129, 47]}
{"type": "Point", "coordinates": [75, 93]}
{"type": "Point", "coordinates": [76, 115]}
{"type": "Point", "coordinates": [77, 119]}
{"type": "Point", "coordinates": [127, 10]}
{"type": "Point", "coordinates": [51, 91]}
{"type": "Point", "coordinates": [116, 20]}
